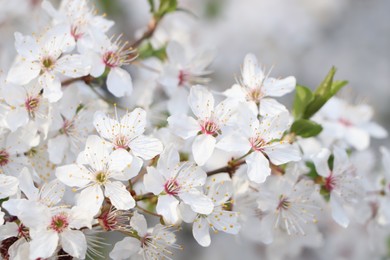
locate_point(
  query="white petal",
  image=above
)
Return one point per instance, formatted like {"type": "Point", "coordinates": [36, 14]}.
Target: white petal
{"type": "Point", "coordinates": [26, 46]}
{"type": "Point", "coordinates": [51, 87]}
{"type": "Point", "coordinates": [375, 130]}
{"type": "Point", "coordinates": [281, 153]}
{"type": "Point", "coordinates": [258, 167]}
{"type": "Point", "coordinates": [176, 53]}
{"type": "Point", "coordinates": [134, 123]}
{"type": "Point", "coordinates": [27, 185]}
{"type": "Point", "coordinates": [198, 202]}
{"type": "Point", "coordinates": [321, 162]}
{"type": "Point", "coordinates": [236, 91]}
{"type": "Point", "coordinates": [22, 72]}
{"type": "Point", "coordinates": [138, 222]}
{"type": "Point", "coordinates": [72, 65]}
{"type": "Point", "coordinates": [9, 229]}
{"type": "Point", "coordinates": [91, 199]}
{"type": "Point", "coordinates": [133, 170]}
{"type": "Point", "coordinates": [43, 244]}
{"type": "Point", "coordinates": [16, 118]}
{"type": "Point", "coordinates": [183, 126]}
{"type": "Point", "coordinates": [358, 138]}
{"type": "Point", "coordinates": [74, 243]}
{"type": "Point", "coordinates": [97, 64]}
{"type": "Point", "coordinates": [125, 248]}
{"type": "Point", "coordinates": [234, 142]}
{"type": "Point", "coordinates": [168, 158]}
{"type": "Point", "coordinates": [119, 160]}
{"type": "Point", "coordinates": [201, 101]}
{"type": "Point", "coordinates": [200, 230]}
{"type": "Point", "coordinates": [154, 181]}
{"type": "Point", "coordinates": [279, 87]}
{"type": "Point", "coordinates": [252, 75]}
{"type": "Point", "coordinates": [202, 148]}
{"type": "Point", "coordinates": [119, 82]}
{"type": "Point", "coordinates": [52, 192]}
{"type": "Point", "coordinates": [186, 213]}
{"type": "Point", "coordinates": [146, 147]}
{"type": "Point", "coordinates": [119, 196]}
{"type": "Point", "coordinates": [167, 207]}
{"type": "Point", "coordinates": [8, 186]}
{"type": "Point", "coordinates": [106, 127]}
{"type": "Point", "coordinates": [270, 107]}
{"type": "Point", "coordinates": [57, 148]}
{"type": "Point", "coordinates": [338, 213]}
{"type": "Point", "coordinates": [96, 152]}
{"type": "Point", "coordinates": [73, 175]}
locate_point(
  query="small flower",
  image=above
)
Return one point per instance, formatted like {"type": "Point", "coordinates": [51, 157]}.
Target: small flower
{"type": "Point", "coordinates": [256, 88]}
{"type": "Point", "coordinates": [97, 170]}
{"type": "Point", "coordinates": [176, 181]}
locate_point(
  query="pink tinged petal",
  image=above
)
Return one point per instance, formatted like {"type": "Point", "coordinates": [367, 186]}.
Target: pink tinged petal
{"type": "Point", "coordinates": [198, 202]}
{"type": "Point", "coordinates": [138, 223]}
{"type": "Point", "coordinates": [74, 243]}
{"type": "Point", "coordinates": [270, 107]}
{"type": "Point", "coordinates": [133, 170]}
{"type": "Point", "coordinates": [279, 87]}
{"type": "Point", "coordinates": [72, 65]}
{"type": "Point", "coordinates": [154, 181]}
{"type": "Point", "coordinates": [358, 138]}
{"type": "Point", "coordinates": [281, 153]}
{"type": "Point", "coordinates": [74, 175]}
{"type": "Point", "coordinates": [51, 87]}
{"type": "Point", "coordinates": [252, 75]}
{"type": "Point", "coordinates": [119, 196]}
{"type": "Point", "coordinates": [119, 160]}
{"type": "Point", "coordinates": [183, 126]}
{"type": "Point", "coordinates": [26, 185]}
{"type": "Point", "coordinates": [200, 230]}
{"type": "Point", "coordinates": [176, 53]}
{"type": "Point", "coordinates": [146, 147]}
{"type": "Point", "coordinates": [338, 212]}
{"type": "Point", "coordinates": [8, 186]}
{"type": "Point", "coordinates": [119, 82]}
{"type": "Point", "coordinates": [43, 244]}
{"type": "Point", "coordinates": [22, 72]}
{"type": "Point", "coordinates": [167, 207]}
{"type": "Point", "coordinates": [321, 162]}
{"type": "Point", "coordinates": [202, 148]}
{"type": "Point", "coordinates": [134, 123]}
{"type": "Point", "coordinates": [236, 92]}
{"type": "Point", "coordinates": [52, 193]}
{"type": "Point", "coordinates": [57, 148]}
{"type": "Point", "coordinates": [201, 101]}
{"type": "Point", "coordinates": [16, 118]}
{"type": "Point", "coordinates": [9, 229]}
{"type": "Point", "coordinates": [124, 249]}
{"type": "Point", "coordinates": [258, 167]}
{"type": "Point", "coordinates": [91, 199]}
{"type": "Point", "coordinates": [234, 142]}
{"type": "Point", "coordinates": [374, 130]}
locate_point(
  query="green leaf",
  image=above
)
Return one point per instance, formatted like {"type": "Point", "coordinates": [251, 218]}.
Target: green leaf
{"type": "Point", "coordinates": [306, 128]}
{"type": "Point", "coordinates": [323, 93]}
{"type": "Point", "coordinates": [166, 6]}
{"type": "Point", "coordinates": [303, 97]}
{"type": "Point", "coordinates": [152, 6]}
{"type": "Point", "coordinates": [146, 51]}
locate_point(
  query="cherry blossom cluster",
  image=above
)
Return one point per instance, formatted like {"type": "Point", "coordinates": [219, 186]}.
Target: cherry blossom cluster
{"type": "Point", "coordinates": [87, 150]}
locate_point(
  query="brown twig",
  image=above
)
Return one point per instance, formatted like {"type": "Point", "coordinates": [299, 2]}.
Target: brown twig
{"type": "Point", "coordinates": [147, 34]}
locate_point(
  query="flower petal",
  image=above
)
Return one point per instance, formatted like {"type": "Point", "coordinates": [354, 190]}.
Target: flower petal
{"type": "Point", "coordinates": [167, 207]}
{"type": "Point", "coordinates": [73, 175]}
{"type": "Point", "coordinates": [200, 230]}
{"type": "Point", "coordinates": [119, 196]}
{"type": "Point", "coordinates": [201, 101]}
{"type": "Point", "coordinates": [183, 126]}
{"type": "Point", "coordinates": [202, 148]}
{"type": "Point", "coordinates": [119, 82]}
{"type": "Point", "coordinates": [125, 248]}
{"type": "Point", "coordinates": [146, 147]}
{"type": "Point", "coordinates": [74, 243]}
{"type": "Point", "coordinates": [258, 167]}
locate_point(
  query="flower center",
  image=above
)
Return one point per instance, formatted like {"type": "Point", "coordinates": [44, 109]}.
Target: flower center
{"type": "Point", "coordinates": [172, 187]}
{"type": "Point", "coordinates": [59, 222]}
{"type": "Point", "coordinates": [345, 122]}
{"type": "Point", "coordinates": [254, 95]}
{"type": "Point", "coordinates": [146, 240]}
{"type": "Point", "coordinates": [101, 177]}
{"type": "Point", "coordinates": [330, 182]}
{"type": "Point", "coordinates": [4, 157]}
{"type": "Point", "coordinates": [257, 143]}
{"type": "Point", "coordinates": [284, 203]}
{"type": "Point", "coordinates": [48, 63]}
{"type": "Point", "coordinates": [121, 142]}
{"type": "Point", "coordinates": [209, 128]}
{"type": "Point", "coordinates": [183, 77]}
{"type": "Point", "coordinates": [67, 127]}
{"type": "Point", "coordinates": [31, 104]}
{"type": "Point", "coordinates": [111, 59]}
{"type": "Point", "coordinates": [76, 32]}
